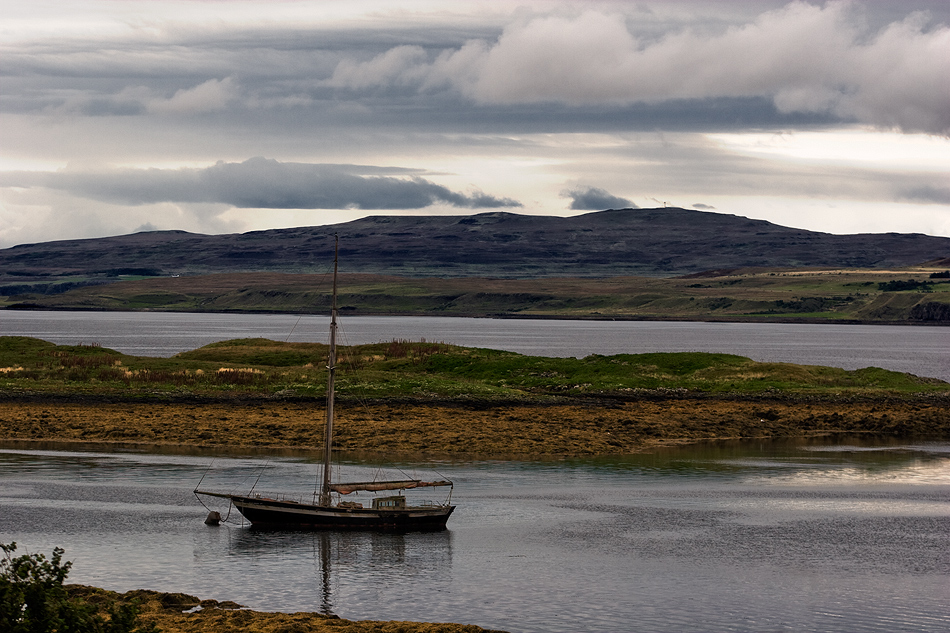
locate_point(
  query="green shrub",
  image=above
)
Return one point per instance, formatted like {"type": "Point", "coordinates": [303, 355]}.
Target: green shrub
{"type": "Point", "coordinates": [34, 600]}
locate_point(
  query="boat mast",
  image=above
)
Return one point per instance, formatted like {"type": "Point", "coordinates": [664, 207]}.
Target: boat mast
{"type": "Point", "coordinates": [331, 373]}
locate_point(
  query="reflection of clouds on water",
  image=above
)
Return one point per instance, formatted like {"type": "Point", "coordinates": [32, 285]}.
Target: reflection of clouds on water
{"type": "Point", "coordinates": [773, 510]}
{"type": "Point", "coordinates": [938, 449]}
{"type": "Point", "coordinates": [918, 472]}
{"type": "Point", "coordinates": [849, 464]}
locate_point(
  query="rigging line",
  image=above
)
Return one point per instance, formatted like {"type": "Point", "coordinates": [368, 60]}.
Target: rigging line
{"type": "Point", "coordinates": [264, 467]}
{"type": "Point", "coordinates": [205, 506]}
{"type": "Point", "coordinates": [207, 470]}
{"type": "Point", "coordinates": [360, 398]}
{"type": "Point", "coordinates": [291, 333]}
{"type": "Point", "coordinates": [240, 486]}
{"type": "Point", "coordinates": [354, 367]}
{"type": "Point", "coordinates": [201, 501]}
{"type": "Point", "coordinates": [440, 475]}
{"type": "Point", "coordinates": [326, 273]}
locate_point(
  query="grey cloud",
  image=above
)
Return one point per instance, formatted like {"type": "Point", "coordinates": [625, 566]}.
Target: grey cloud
{"type": "Point", "coordinates": [105, 106]}
{"type": "Point", "coordinates": [704, 207]}
{"type": "Point", "coordinates": [805, 58]}
{"type": "Point", "coordinates": [809, 64]}
{"type": "Point", "coordinates": [924, 193]}
{"type": "Point", "coordinates": [261, 183]}
{"type": "Point", "coordinates": [440, 113]}
{"type": "Point", "coordinates": [212, 95]}
{"type": "Point", "coordinates": [595, 199]}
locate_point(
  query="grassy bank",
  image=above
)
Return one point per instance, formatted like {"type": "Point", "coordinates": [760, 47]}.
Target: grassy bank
{"type": "Point", "coordinates": [429, 398]}
{"type": "Point", "coordinates": [420, 372]}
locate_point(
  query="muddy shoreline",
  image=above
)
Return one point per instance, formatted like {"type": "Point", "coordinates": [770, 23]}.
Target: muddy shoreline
{"type": "Point", "coordinates": [482, 429]}
{"type": "Point", "coordinates": [181, 613]}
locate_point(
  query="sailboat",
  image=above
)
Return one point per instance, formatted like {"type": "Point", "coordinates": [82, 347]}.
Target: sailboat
{"type": "Point", "coordinates": [327, 511]}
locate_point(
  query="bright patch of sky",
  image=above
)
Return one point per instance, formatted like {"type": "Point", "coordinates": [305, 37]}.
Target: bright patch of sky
{"type": "Point", "coordinates": [859, 148]}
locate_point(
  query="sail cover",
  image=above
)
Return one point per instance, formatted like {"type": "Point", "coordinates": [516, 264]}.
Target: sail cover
{"type": "Point", "coordinates": [345, 489]}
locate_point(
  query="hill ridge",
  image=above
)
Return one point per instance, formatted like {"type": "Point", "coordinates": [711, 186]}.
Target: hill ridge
{"type": "Point", "coordinates": [660, 242]}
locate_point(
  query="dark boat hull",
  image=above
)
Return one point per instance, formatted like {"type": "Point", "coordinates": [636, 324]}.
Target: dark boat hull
{"type": "Point", "coordinates": [273, 513]}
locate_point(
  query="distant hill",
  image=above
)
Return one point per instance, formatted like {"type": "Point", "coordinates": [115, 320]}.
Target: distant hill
{"type": "Point", "coordinates": [649, 242]}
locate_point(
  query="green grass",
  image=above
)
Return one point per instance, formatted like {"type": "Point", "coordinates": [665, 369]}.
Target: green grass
{"type": "Point", "coordinates": [403, 369]}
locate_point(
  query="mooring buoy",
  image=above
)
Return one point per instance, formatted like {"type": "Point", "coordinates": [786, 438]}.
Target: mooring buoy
{"type": "Point", "coordinates": [214, 518]}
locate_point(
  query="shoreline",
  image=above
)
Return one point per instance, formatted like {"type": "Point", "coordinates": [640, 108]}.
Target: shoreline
{"type": "Point", "coordinates": [700, 318]}
{"type": "Point", "coordinates": [468, 430]}
{"type": "Point", "coordinates": [182, 613]}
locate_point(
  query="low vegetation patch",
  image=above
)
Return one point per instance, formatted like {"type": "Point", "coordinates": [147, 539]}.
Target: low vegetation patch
{"type": "Point", "coordinates": [417, 370]}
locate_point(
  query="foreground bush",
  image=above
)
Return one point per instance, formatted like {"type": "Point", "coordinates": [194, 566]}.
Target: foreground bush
{"type": "Point", "coordinates": [34, 600]}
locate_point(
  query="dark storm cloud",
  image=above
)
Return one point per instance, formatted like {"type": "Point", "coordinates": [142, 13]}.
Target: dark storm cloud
{"type": "Point", "coordinates": [596, 199]}
{"type": "Point", "coordinates": [262, 183]}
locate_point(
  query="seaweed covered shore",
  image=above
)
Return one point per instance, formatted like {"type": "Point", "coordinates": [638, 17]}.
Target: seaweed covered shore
{"type": "Point", "coordinates": [181, 613]}
{"type": "Point", "coordinates": [498, 430]}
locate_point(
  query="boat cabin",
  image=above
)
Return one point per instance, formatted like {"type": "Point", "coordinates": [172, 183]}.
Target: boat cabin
{"type": "Point", "coordinates": [397, 502]}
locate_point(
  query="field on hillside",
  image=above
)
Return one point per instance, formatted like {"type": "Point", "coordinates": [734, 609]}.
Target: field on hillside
{"type": "Point", "coordinates": [905, 296]}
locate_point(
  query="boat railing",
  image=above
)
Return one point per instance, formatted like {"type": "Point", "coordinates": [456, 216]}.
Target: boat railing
{"type": "Point", "coordinates": [425, 503]}
{"type": "Point", "coordinates": [277, 496]}
{"type": "Point", "coordinates": [290, 498]}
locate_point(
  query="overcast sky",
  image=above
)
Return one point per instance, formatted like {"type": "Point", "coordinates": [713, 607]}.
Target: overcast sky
{"type": "Point", "coordinates": [230, 116]}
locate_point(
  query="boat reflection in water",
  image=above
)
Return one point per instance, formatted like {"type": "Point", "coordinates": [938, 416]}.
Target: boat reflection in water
{"type": "Point", "coordinates": [345, 566]}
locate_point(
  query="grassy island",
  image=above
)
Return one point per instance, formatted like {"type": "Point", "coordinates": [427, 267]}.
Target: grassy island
{"type": "Point", "coordinates": [438, 399]}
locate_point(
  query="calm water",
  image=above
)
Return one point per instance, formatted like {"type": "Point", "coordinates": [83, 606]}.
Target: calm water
{"type": "Point", "coordinates": [726, 537]}
{"type": "Point", "coordinates": [916, 349]}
